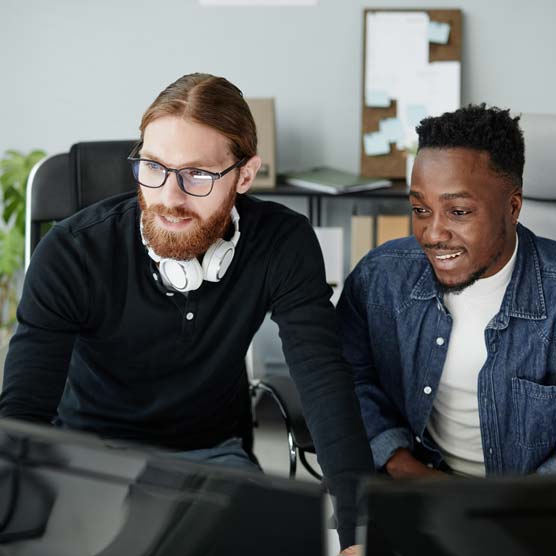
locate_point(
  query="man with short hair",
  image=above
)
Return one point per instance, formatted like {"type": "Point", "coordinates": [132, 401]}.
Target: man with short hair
{"type": "Point", "coordinates": [137, 312]}
{"type": "Point", "coordinates": [451, 333]}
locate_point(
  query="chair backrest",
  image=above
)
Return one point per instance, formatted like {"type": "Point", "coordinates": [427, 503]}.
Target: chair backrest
{"type": "Point", "coordinates": [63, 184]}
{"type": "Point", "coordinates": [539, 176]}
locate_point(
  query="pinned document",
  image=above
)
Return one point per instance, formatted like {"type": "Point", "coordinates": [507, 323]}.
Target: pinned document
{"type": "Point", "coordinates": [439, 33]}
{"type": "Point", "coordinates": [392, 129]}
{"type": "Point", "coordinates": [377, 99]}
{"type": "Point", "coordinates": [376, 144]}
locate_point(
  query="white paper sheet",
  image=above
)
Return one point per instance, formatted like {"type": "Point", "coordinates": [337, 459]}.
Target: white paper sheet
{"type": "Point", "coordinates": [436, 88]}
{"type": "Point", "coordinates": [331, 241]}
{"type": "Point", "coordinates": [396, 44]}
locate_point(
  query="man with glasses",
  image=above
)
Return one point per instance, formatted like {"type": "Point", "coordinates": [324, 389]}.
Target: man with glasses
{"type": "Point", "coordinates": [137, 312]}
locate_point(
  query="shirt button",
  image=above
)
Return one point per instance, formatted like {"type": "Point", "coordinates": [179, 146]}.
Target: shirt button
{"type": "Point", "coordinates": [427, 390]}
{"type": "Point", "coordinates": [418, 439]}
{"type": "Point", "coordinates": [490, 451]}
{"type": "Point", "coordinates": [189, 316]}
{"type": "Point", "coordinates": [439, 341]}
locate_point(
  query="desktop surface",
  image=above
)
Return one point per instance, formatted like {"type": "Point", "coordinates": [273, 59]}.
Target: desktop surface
{"type": "Point", "coordinates": [64, 493]}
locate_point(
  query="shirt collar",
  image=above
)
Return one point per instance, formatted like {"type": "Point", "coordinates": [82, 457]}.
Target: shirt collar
{"type": "Point", "coordinates": [524, 297]}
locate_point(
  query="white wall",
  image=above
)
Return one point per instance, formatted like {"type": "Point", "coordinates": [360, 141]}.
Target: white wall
{"type": "Point", "coordinates": [72, 70]}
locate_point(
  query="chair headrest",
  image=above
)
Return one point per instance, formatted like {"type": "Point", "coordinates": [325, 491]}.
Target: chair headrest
{"type": "Point", "coordinates": [100, 170]}
{"type": "Point", "coordinates": [539, 175]}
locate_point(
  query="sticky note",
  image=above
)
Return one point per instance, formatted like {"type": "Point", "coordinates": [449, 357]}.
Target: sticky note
{"type": "Point", "coordinates": [375, 144]}
{"type": "Point", "coordinates": [415, 113]}
{"type": "Point", "coordinates": [392, 129]}
{"type": "Point", "coordinates": [439, 33]}
{"type": "Point", "coordinates": [377, 99]}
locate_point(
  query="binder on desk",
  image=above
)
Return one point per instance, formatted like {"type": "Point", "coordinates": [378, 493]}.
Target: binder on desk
{"type": "Point", "coordinates": [362, 237]}
{"type": "Point", "coordinates": [391, 227]}
{"type": "Point", "coordinates": [333, 181]}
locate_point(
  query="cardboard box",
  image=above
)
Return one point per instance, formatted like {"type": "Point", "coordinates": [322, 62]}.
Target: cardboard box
{"type": "Point", "coordinates": [265, 119]}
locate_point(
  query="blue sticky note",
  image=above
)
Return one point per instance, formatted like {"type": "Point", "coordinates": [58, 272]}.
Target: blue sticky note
{"type": "Point", "coordinates": [392, 129]}
{"type": "Point", "coordinates": [415, 113]}
{"type": "Point", "coordinates": [439, 33]}
{"type": "Point", "coordinates": [377, 99]}
{"type": "Point", "coordinates": [375, 144]}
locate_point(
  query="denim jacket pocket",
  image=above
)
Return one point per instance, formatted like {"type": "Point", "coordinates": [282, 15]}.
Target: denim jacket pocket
{"type": "Point", "coordinates": [535, 413]}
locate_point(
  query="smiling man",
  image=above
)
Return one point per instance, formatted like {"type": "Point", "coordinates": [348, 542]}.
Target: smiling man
{"type": "Point", "coordinates": [138, 311]}
{"type": "Point", "coordinates": [451, 332]}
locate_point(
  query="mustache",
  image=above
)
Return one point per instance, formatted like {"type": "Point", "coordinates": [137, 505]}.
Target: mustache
{"type": "Point", "coordinates": [440, 247]}
{"type": "Point", "coordinates": [174, 212]}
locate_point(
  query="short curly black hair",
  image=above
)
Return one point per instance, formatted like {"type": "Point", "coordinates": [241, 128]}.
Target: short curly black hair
{"type": "Point", "coordinates": [484, 129]}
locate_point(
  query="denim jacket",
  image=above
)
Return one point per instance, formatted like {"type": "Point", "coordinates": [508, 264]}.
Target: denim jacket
{"type": "Point", "coordinates": [396, 332]}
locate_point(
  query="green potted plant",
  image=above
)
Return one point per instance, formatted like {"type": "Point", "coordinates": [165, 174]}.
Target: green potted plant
{"type": "Point", "coordinates": [14, 171]}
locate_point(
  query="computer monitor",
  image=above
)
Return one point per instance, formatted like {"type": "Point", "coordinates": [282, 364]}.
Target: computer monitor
{"type": "Point", "coordinates": [507, 516]}
{"type": "Point", "coordinates": [69, 494]}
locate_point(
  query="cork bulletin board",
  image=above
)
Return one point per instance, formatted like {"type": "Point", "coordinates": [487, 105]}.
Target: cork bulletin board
{"type": "Point", "coordinates": [411, 69]}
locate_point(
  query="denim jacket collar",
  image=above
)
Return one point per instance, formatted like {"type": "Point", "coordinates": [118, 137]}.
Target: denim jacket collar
{"type": "Point", "coordinates": [524, 297]}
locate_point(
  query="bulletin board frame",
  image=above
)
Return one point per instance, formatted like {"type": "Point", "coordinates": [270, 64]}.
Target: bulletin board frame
{"type": "Point", "coordinates": [393, 165]}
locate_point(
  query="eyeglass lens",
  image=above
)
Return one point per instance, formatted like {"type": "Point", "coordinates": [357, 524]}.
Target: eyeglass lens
{"type": "Point", "coordinates": [152, 174]}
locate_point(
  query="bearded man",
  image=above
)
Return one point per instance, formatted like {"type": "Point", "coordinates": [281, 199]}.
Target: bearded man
{"type": "Point", "coordinates": [137, 312]}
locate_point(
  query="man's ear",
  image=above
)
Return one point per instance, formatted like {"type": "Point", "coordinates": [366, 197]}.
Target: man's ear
{"type": "Point", "coordinates": [247, 174]}
{"type": "Point", "coordinates": [516, 201]}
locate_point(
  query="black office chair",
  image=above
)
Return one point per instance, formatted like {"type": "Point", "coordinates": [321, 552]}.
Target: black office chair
{"type": "Point", "coordinates": [63, 184]}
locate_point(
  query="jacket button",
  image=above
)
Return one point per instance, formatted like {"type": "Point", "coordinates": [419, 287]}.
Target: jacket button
{"type": "Point", "coordinates": [440, 341]}
{"type": "Point", "coordinates": [427, 390]}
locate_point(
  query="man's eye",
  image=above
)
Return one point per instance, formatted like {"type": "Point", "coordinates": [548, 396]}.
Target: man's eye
{"type": "Point", "coordinates": [419, 210]}
{"type": "Point", "coordinates": [199, 175]}
{"type": "Point", "coordinates": [460, 212]}
{"type": "Point", "coordinates": [152, 165]}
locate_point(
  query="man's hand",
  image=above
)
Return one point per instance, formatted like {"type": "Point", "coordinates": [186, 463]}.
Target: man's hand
{"type": "Point", "coordinates": [402, 465]}
{"type": "Point", "coordinates": [353, 550]}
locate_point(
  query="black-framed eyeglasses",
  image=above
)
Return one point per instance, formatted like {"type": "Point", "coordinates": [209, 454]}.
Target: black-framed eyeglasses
{"type": "Point", "coordinates": [193, 181]}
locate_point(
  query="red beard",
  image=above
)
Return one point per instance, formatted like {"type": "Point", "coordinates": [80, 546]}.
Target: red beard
{"type": "Point", "coordinates": [188, 244]}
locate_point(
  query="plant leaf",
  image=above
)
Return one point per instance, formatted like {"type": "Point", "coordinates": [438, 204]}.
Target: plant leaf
{"type": "Point", "coordinates": [12, 244]}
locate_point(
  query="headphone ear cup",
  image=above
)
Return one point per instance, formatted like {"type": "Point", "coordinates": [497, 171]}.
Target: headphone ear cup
{"type": "Point", "coordinates": [183, 276]}
{"type": "Point", "coordinates": [217, 259]}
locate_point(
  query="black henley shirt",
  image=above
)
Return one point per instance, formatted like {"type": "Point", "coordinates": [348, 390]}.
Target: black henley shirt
{"type": "Point", "coordinates": [102, 346]}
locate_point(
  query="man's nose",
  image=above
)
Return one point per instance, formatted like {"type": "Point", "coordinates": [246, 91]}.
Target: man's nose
{"type": "Point", "coordinates": [172, 194]}
{"type": "Point", "coordinates": [437, 230]}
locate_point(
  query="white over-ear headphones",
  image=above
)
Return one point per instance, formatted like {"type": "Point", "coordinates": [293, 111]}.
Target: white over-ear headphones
{"type": "Point", "coordinates": [185, 276]}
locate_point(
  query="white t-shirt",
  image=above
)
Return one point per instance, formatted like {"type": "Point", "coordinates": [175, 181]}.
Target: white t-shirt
{"type": "Point", "coordinates": [454, 420]}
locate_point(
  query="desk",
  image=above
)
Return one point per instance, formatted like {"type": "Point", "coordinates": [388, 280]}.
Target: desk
{"type": "Point", "coordinates": [398, 190]}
